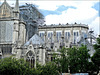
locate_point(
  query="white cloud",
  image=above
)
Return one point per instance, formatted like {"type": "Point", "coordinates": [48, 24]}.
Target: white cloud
{"type": "Point", "coordinates": [46, 5]}
{"type": "Point", "coordinates": [53, 5]}
{"type": "Point", "coordinates": [95, 25]}
{"type": "Point", "coordinates": [73, 15]}
{"type": "Point", "coordinates": [84, 13]}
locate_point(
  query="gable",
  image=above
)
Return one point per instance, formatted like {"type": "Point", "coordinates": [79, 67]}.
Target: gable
{"type": "Point", "coordinates": [5, 10]}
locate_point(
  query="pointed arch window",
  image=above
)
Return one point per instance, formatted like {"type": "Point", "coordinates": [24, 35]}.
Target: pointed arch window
{"type": "Point", "coordinates": [30, 58]}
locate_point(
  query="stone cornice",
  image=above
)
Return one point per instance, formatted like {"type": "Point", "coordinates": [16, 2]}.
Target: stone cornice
{"type": "Point", "coordinates": [63, 26]}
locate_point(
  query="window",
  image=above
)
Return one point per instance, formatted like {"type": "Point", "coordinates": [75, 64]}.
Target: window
{"type": "Point", "coordinates": [67, 36]}
{"type": "Point", "coordinates": [84, 35]}
{"type": "Point", "coordinates": [6, 49]}
{"type": "Point", "coordinates": [42, 35]}
{"type": "Point", "coordinates": [30, 58]}
{"type": "Point", "coordinates": [76, 34]}
{"type": "Point", "coordinates": [58, 36]}
{"type": "Point", "coordinates": [50, 36]}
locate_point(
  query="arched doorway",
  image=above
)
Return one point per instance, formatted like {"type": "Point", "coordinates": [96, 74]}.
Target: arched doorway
{"type": "Point", "coordinates": [30, 57]}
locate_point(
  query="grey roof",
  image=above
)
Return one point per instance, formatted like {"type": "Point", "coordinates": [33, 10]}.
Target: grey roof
{"type": "Point", "coordinates": [35, 40]}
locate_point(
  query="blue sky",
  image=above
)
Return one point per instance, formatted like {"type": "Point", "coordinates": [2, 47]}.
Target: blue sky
{"type": "Point", "coordinates": [55, 12]}
{"type": "Point", "coordinates": [58, 11]}
{"type": "Point", "coordinates": [97, 7]}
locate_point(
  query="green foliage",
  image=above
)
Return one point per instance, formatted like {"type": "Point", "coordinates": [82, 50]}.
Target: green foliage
{"type": "Point", "coordinates": [96, 57]}
{"type": "Point", "coordinates": [49, 69]}
{"type": "Point", "coordinates": [61, 60]}
{"type": "Point", "coordinates": [78, 59]}
{"type": "Point", "coordinates": [75, 59]}
{"type": "Point", "coordinates": [12, 66]}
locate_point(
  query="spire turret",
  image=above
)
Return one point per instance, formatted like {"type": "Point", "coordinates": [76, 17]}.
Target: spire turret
{"type": "Point", "coordinates": [16, 10]}
{"type": "Point", "coordinates": [17, 5]}
{"type": "Point", "coordinates": [4, 0]}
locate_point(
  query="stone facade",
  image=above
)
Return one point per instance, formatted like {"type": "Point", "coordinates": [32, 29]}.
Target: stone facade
{"type": "Point", "coordinates": [69, 35]}
{"type": "Point", "coordinates": [59, 34]}
{"type": "Point", "coordinates": [18, 29]}
{"type": "Point", "coordinates": [12, 29]}
{"type": "Point", "coordinates": [22, 34]}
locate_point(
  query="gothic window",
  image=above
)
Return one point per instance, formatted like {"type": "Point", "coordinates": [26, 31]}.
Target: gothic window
{"type": "Point", "coordinates": [6, 49]}
{"type": "Point", "coordinates": [30, 53]}
{"type": "Point", "coordinates": [30, 58]}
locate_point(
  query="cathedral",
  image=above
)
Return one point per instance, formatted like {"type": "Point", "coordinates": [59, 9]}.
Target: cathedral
{"type": "Point", "coordinates": [18, 32]}
{"type": "Point", "coordinates": [23, 35]}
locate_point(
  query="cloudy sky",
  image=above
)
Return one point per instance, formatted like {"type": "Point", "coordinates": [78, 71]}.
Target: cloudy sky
{"type": "Point", "coordinates": [68, 11]}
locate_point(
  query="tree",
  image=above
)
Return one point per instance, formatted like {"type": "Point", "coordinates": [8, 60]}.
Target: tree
{"type": "Point", "coordinates": [78, 59]}
{"type": "Point", "coordinates": [48, 69]}
{"type": "Point", "coordinates": [12, 66]}
{"type": "Point", "coordinates": [61, 60]}
{"type": "Point", "coordinates": [73, 60]}
{"type": "Point", "coordinates": [96, 57]}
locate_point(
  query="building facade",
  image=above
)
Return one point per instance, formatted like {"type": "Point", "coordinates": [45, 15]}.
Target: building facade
{"type": "Point", "coordinates": [62, 35]}
{"type": "Point", "coordinates": [69, 35]}
{"type": "Point", "coordinates": [12, 29]}
{"type": "Point", "coordinates": [22, 34]}
{"type": "Point", "coordinates": [18, 33]}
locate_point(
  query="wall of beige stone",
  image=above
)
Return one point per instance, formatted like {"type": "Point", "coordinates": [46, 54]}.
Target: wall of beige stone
{"type": "Point", "coordinates": [63, 29]}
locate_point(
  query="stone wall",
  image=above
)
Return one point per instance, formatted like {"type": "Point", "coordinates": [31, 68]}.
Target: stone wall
{"type": "Point", "coordinates": [6, 31]}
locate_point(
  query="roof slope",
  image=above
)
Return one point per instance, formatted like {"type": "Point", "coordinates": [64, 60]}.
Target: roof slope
{"type": "Point", "coordinates": [35, 40]}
